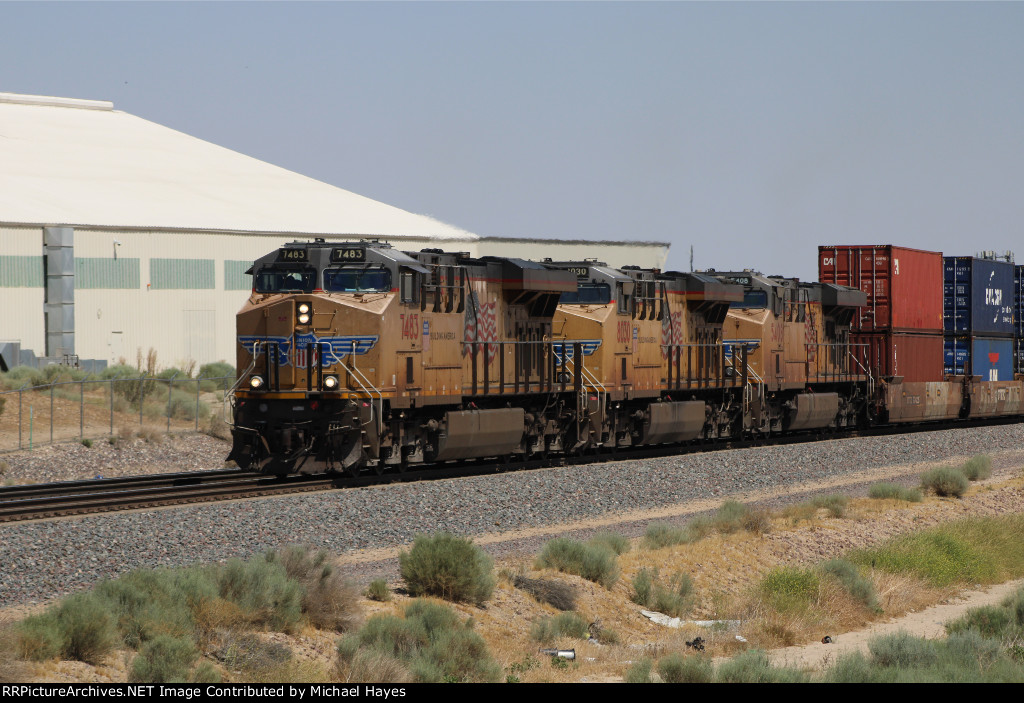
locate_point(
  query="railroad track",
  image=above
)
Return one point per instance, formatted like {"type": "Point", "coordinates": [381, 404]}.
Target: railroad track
{"type": "Point", "coordinates": [68, 498]}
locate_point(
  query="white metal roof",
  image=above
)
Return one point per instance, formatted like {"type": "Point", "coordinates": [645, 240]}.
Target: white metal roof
{"type": "Point", "coordinates": [82, 163]}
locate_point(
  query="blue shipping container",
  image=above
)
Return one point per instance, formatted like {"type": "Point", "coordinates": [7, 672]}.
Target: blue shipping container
{"type": "Point", "coordinates": [992, 359]}
{"type": "Point", "coordinates": [1018, 358]}
{"type": "Point", "coordinates": [978, 296]}
{"type": "Point", "coordinates": [1018, 301]}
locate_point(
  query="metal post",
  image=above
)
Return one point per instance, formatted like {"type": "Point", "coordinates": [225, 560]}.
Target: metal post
{"type": "Point", "coordinates": [81, 409]}
{"type": "Point", "coordinates": [142, 390]}
{"type": "Point", "coordinates": [170, 385]}
{"type": "Point", "coordinates": [110, 389]}
{"type": "Point", "coordinates": [197, 405]}
{"type": "Point", "coordinates": [19, 413]}
{"type": "Point", "coordinates": [51, 413]}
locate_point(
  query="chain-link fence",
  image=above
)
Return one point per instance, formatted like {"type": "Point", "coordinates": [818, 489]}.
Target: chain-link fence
{"type": "Point", "coordinates": [31, 415]}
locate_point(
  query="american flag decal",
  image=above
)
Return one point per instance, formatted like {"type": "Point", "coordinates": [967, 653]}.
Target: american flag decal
{"type": "Point", "coordinates": [671, 332]}
{"type": "Point", "coordinates": [480, 326]}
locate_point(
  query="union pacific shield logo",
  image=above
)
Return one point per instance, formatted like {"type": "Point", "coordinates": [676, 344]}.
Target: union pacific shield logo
{"type": "Point", "coordinates": [334, 349]}
{"type": "Point", "coordinates": [567, 349]}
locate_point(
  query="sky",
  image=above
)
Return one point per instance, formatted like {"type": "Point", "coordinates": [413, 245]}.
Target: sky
{"type": "Point", "coordinates": [752, 132]}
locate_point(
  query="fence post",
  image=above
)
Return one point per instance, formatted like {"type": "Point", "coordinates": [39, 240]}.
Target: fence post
{"type": "Point", "coordinates": [197, 404]}
{"type": "Point", "coordinates": [51, 412]}
{"type": "Point", "coordinates": [142, 391]}
{"type": "Point", "coordinates": [170, 385]}
{"type": "Point", "coordinates": [110, 389]}
{"type": "Point", "coordinates": [81, 409]}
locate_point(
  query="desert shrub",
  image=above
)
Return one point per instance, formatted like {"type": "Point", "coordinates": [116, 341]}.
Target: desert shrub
{"type": "Point", "coordinates": [183, 406]}
{"type": "Point", "coordinates": [639, 672]}
{"type": "Point", "coordinates": [659, 535]}
{"type": "Point", "coordinates": [676, 668]}
{"type": "Point", "coordinates": [429, 643]}
{"type": "Point", "coordinates": [88, 631]}
{"type": "Point", "coordinates": [594, 563]}
{"type": "Point", "coordinates": [988, 620]}
{"type": "Point", "coordinates": [11, 669]}
{"type": "Point", "coordinates": [217, 369]}
{"type": "Point", "coordinates": [449, 567]}
{"type": "Point", "coordinates": [902, 650]}
{"type": "Point", "coordinates": [119, 371]}
{"type": "Point", "coordinates": [852, 581]}
{"type": "Point", "coordinates": [164, 659]}
{"type": "Point", "coordinates": [752, 666]}
{"type": "Point", "coordinates": [789, 588]}
{"type": "Point", "coordinates": [835, 504]}
{"type": "Point", "coordinates": [19, 376]}
{"type": "Point", "coordinates": [205, 672]}
{"type": "Point", "coordinates": [674, 598]}
{"type": "Point", "coordinates": [894, 491]}
{"type": "Point", "coordinates": [613, 541]}
{"type": "Point", "coordinates": [855, 667]}
{"type": "Point", "coordinates": [329, 600]}
{"type": "Point", "coordinates": [262, 589]}
{"type": "Point", "coordinates": [555, 593]}
{"type": "Point", "coordinates": [378, 590]}
{"type": "Point", "coordinates": [39, 637]}
{"type": "Point", "coordinates": [730, 516]}
{"type": "Point", "coordinates": [945, 481]}
{"type": "Point", "coordinates": [252, 655]}
{"type": "Point", "coordinates": [977, 468]}
{"type": "Point", "coordinates": [568, 624]}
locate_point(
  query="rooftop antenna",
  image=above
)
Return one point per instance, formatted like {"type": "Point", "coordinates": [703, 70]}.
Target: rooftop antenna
{"type": "Point", "coordinates": [691, 258]}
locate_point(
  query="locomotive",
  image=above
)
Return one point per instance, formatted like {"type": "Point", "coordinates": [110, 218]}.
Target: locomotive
{"type": "Point", "coordinates": [358, 357]}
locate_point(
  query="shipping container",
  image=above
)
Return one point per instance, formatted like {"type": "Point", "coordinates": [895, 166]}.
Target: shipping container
{"type": "Point", "coordinates": [978, 296]}
{"type": "Point", "coordinates": [1018, 301]}
{"type": "Point", "coordinates": [903, 286]}
{"type": "Point", "coordinates": [990, 358]}
{"type": "Point", "coordinates": [914, 357]}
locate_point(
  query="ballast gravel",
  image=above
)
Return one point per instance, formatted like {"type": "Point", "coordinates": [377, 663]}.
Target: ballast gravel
{"type": "Point", "coordinates": [43, 560]}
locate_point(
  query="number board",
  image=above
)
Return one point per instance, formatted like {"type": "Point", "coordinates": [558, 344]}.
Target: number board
{"type": "Point", "coordinates": [292, 255]}
{"type": "Point", "coordinates": [580, 272]}
{"type": "Point", "coordinates": [348, 254]}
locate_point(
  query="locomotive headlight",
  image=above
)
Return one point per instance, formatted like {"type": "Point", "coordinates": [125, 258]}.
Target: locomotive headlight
{"type": "Point", "coordinates": [303, 319]}
{"type": "Point", "coordinates": [256, 382]}
{"type": "Point", "coordinates": [330, 382]}
{"type": "Point", "coordinates": [303, 308]}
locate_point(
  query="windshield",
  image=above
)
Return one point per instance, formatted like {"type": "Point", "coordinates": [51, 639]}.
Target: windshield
{"type": "Point", "coordinates": [752, 299]}
{"type": "Point", "coordinates": [357, 280]}
{"type": "Point", "coordinates": [588, 294]}
{"type": "Point", "coordinates": [286, 280]}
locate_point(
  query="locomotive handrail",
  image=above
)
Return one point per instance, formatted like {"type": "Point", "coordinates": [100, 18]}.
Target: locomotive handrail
{"type": "Point", "coordinates": [359, 378]}
{"type": "Point", "coordinates": [230, 394]}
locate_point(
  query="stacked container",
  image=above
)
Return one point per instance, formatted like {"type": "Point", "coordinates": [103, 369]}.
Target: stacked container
{"type": "Point", "coordinates": [899, 332]}
{"type": "Point", "coordinates": [1018, 319]}
{"type": "Point", "coordinates": [978, 317]}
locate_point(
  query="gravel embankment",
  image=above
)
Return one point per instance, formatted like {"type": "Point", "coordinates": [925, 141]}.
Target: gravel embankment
{"type": "Point", "coordinates": [46, 559]}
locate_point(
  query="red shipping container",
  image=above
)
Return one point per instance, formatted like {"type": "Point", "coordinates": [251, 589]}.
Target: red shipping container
{"type": "Point", "coordinates": [915, 357]}
{"type": "Point", "coordinates": [904, 286]}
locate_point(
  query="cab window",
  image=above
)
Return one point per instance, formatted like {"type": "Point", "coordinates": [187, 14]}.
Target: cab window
{"type": "Point", "coordinates": [752, 299]}
{"type": "Point", "coordinates": [357, 280]}
{"type": "Point", "coordinates": [588, 294]}
{"type": "Point", "coordinates": [291, 279]}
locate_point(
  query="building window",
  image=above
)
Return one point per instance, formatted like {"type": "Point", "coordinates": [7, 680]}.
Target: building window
{"type": "Point", "coordinates": [181, 274]}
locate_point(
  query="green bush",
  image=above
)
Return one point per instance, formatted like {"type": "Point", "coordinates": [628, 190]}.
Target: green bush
{"type": "Point", "coordinates": [217, 369]}
{"type": "Point", "coordinates": [856, 585]}
{"type": "Point", "coordinates": [676, 668]}
{"type": "Point", "coordinates": [640, 671]}
{"type": "Point", "coordinates": [568, 624]}
{"type": "Point", "coordinates": [328, 600]}
{"type": "Point", "coordinates": [378, 590]}
{"type": "Point", "coordinates": [39, 637]}
{"type": "Point", "coordinates": [752, 666]}
{"type": "Point", "coordinates": [164, 659]}
{"type": "Point", "coordinates": [659, 535]}
{"type": "Point", "coordinates": [835, 504]}
{"type": "Point", "coordinates": [429, 643]}
{"type": "Point", "coordinates": [730, 517]}
{"type": "Point", "coordinates": [902, 650]}
{"type": "Point", "coordinates": [449, 567]}
{"type": "Point", "coordinates": [262, 588]}
{"type": "Point", "coordinates": [945, 481]}
{"type": "Point", "coordinates": [594, 563]}
{"type": "Point", "coordinates": [894, 491]}
{"type": "Point", "coordinates": [88, 631]}
{"type": "Point", "coordinates": [674, 599]}
{"type": "Point", "coordinates": [613, 541]}
{"type": "Point", "coordinates": [789, 588]}
{"type": "Point", "coordinates": [977, 468]}
{"type": "Point", "coordinates": [938, 556]}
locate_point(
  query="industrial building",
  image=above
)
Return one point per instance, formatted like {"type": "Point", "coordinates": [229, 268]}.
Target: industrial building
{"type": "Point", "coordinates": [118, 234]}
